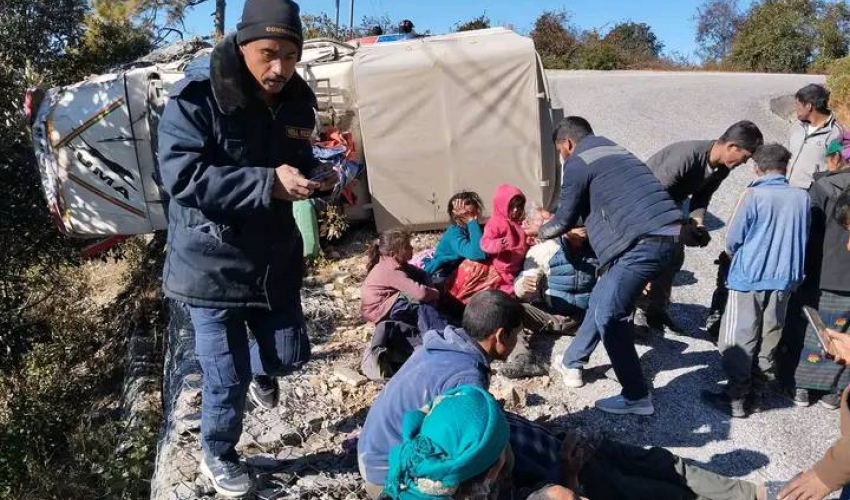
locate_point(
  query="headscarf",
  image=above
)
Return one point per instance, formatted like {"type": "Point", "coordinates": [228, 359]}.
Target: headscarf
{"type": "Point", "coordinates": [461, 435]}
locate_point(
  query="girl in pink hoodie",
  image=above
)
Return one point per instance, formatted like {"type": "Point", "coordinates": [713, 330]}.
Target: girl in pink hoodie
{"type": "Point", "coordinates": [504, 239]}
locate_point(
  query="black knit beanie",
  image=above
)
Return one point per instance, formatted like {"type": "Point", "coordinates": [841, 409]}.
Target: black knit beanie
{"type": "Point", "coordinates": [270, 19]}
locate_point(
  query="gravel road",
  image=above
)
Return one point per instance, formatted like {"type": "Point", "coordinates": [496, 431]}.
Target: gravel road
{"type": "Point", "coordinates": [644, 111]}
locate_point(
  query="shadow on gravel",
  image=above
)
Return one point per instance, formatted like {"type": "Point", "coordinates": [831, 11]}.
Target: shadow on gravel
{"type": "Point", "coordinates": [736, 463]}
{"type": "Point", "coordinates": [690, 317]}
{"type": "Point", "coordinates": [712, 222]}
{"type": "Point", "coordinates": [685, 278]}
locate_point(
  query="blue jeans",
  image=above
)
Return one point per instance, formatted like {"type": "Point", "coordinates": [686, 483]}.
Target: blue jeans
{"type": "Point", "coordinates": [845, 493]}
{"type": "Point", "coordinates": [611, 303]}
{"type": "Point", "coordinates": [228, 359]}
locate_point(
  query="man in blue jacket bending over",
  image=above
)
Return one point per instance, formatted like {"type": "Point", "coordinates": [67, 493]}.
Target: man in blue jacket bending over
{"type": "Point", "coordinates": [235, 153]}
{"type": "Point", "coordinates": [633, 226]}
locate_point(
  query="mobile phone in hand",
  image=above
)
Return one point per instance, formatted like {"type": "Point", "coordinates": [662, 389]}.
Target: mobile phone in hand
{"type": "Point", "coordinates": [820, 329]}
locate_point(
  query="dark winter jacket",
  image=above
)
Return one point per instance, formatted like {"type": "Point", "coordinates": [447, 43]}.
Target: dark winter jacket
{"type": "Point", "coordinates": [447, 359]}
{"type": "Point", "coordinates": [616, 194]}
{"type": "Point", "coordinates": [686, 173]}
{"type": "Point", "coordinates": [569, 274]}
{"type": "Point", "coordinates": [828, 239]}
{"type": "Point", "coordinates": [230, 244]}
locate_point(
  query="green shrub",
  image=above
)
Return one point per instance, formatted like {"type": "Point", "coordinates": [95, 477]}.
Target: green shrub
{"type": "Point", "coordinates": [838, 82]}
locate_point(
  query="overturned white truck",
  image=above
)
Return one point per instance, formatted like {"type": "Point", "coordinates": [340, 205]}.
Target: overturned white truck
{"type": "Point", "coordinates": [429, 116]}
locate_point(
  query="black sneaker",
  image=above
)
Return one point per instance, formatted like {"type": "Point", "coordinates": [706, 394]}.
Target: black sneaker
{"type": "Point", "coordinates": [830, 401]}
{"type": "Point", "coordinates": [264, 392]}
{"type": "Point", "coordinates": [230, 479]}
{"type": "Point", "coordinates": [755, 402]}
{"type": "Point", "coordinates": [720, 401]}
{"type": "Point", "coordinates": [712, 325]}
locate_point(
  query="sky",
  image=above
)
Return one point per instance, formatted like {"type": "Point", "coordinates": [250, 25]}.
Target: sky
{"type": "Point", "coordinates": [671, 20]}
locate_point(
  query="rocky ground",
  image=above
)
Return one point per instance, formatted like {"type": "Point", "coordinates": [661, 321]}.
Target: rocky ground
{"type": "Point", "coordinates": [305, 448]}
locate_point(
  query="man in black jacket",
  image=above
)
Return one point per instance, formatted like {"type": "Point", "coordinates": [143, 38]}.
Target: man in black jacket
{"type": "Point", "coordinates": [633, 226]}
{"type": "Point", "coordinates": [235, 153]}
{"type": "Point", "coordinates": [826, 287]}
{"type": "Point", "coordinates": [692, 171]}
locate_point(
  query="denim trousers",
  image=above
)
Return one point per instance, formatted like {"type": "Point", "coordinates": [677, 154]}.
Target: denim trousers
{"type": "Point", "coordinates": [228, 357]}
{"type": "Point", "coordinates": [611, 303]}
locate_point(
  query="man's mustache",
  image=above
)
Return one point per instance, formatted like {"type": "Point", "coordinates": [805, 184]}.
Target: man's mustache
{"type": "Point", "coordinates": [282, 80]}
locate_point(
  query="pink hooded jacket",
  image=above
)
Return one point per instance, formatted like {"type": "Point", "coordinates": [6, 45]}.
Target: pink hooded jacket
{"type": "Point", "coordinates": [504, 240]}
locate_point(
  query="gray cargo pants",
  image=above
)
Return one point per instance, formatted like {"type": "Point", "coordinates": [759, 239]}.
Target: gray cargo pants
{"type": "Point", "coordinates": [749, 336]}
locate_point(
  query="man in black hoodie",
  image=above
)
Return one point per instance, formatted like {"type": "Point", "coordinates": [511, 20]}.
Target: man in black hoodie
{"type": "Point", "coordinates": [235, 153]}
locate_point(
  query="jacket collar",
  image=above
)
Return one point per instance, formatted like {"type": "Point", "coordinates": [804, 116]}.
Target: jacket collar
{"type": "Point", "coordinates": [771, 180]}
{"type": "Point", "coordinates": [826, 127]}
{"type": "Point", "coordinates": [456, 340]}
{"type": "Point", "coordinates": [229, 76]}
{"type": "Point", "coordinates": [232, 85]}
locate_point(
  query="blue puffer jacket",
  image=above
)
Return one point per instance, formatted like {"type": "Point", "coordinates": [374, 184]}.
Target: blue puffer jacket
{"type": "Point", "coordinates": [616, 194]}
{"type": "Point", "coordinates": [572, 275]}
{"type": "Point", "coordinates": [230, 244]}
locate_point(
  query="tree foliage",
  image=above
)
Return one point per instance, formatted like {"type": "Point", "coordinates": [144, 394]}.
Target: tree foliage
{"type": "Point", "coordinates": [556, 39]}
{"type": "Point", "coordinates": [776, 36]}
{"type": "Point", "coordinates": [636, 42]}
{"type": "Point", "coordinates": [163, 18]}
{"type": "Point", "coordinates": [598, 53]}
{"type": "Point", "coordinates": [45, 331]}
{"type": "Point", "coordinates": [319, 26]}
{"type": "Point", "coordinates": [838, 83]}
{"type": "Point", "coordinates": [833, 34]}
{"type": "Point", "coordinates": [717, 24]}
{"type": "Point", "coordinates": [481, 22]}
{"type": "Point", "coordinates": [562, 46]}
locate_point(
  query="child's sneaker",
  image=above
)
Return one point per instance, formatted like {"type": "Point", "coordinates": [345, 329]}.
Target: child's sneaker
{"type": "Point", "coordinates": [830, 401]}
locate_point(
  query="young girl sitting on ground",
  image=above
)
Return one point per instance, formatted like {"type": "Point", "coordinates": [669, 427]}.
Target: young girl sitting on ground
{"type": "Point", "coordinates": [505, 243]}
{"type": "Point", "coordinates": [395, 290]}
{"type": "Point", "coordinates": [461, 239]}
{"type": "Point", "coordinates": [504, 238]}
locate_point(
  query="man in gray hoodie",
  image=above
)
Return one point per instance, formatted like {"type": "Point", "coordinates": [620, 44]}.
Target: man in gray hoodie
{"type": "Point", "coordinates": [817, 127]}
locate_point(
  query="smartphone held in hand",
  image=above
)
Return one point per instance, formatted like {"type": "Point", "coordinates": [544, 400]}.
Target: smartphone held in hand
{"type": "Point", "coordinates": [820, 329]}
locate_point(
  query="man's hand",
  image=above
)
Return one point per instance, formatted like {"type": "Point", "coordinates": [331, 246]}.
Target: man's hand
{"type": "Point", "coordinates": [529, 285]}
{"type": "Point", "coordinates": [840, 346]}
{"type": "Point", "coordinates": [806, 486]}
{"type": "Point", "coordinates": [572, 459]}
{"type": "Point", "coordinates": [290, 185]}
{"type": "Point", "coordinates": [576, 237]}
{"type": "Point", "coordinates": [693, 235]}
